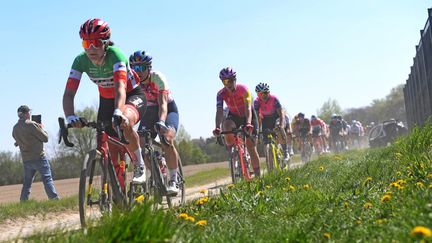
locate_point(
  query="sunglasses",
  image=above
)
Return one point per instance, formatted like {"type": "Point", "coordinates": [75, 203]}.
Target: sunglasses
{"type": "Point", "coordinates": [139, 67]}
{"type": "Point", "coordinates": [96, 43]}
{"type": "Point", "coordinates": [228, 80]}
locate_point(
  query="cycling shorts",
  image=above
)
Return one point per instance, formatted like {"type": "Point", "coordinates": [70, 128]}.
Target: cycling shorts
{"type": "Point", "coordinates": [152, 116]}
{"type": "Point", "coordinates": [135, 99]}
{"type": "Point", "coordinates": [241, 121]}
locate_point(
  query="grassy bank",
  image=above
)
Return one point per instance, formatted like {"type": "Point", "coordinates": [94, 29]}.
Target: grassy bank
{"type": "Point", "coordinates": [374, 195]}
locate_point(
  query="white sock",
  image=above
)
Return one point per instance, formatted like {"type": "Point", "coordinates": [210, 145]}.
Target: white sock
{"type": "Point", "coordinates": [173, 174]}
{"type": "Point", "coordinates": [140, 161]}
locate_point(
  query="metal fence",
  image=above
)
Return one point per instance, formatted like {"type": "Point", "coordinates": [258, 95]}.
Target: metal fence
{"type": "Point", "coordinates": [418, 87]}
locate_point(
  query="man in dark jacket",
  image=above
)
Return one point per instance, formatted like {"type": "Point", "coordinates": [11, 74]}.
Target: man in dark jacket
{"type": "Point", "coordinates": [30, 136]}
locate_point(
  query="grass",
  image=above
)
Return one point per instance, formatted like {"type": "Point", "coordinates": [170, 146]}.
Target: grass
{"type": "Point", "coordinates": [32, 207]}
{"type": "Point", "coordinates": [379, 195]}
{"type": "Point", "coordinates": [207, 176]}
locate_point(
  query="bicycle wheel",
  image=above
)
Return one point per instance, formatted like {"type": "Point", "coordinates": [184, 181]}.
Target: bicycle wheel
{"type": "Point", "coordinates": [235, 166]}
{"type": "Point", "coordinates": [158, 186]}
{"type": "Point", "coordinates": [181, 196]}
{"type": "Point", "coordinates": [269, 157]}
{"type": "Point", "coordinates": [96, 199]}
{"type": "Point", "coordinates": [137, 193]}
{"type": "Point", "coordinates": [281, 163]}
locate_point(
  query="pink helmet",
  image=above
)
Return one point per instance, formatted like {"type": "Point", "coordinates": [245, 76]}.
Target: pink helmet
{"type": "Point", "coordinates": [95, 29]}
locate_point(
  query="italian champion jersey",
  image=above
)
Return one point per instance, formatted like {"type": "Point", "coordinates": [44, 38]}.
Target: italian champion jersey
{"type": "Point", "coordinates": [114, 69]}
{"type": "Point", "coordinates": [236, 101]}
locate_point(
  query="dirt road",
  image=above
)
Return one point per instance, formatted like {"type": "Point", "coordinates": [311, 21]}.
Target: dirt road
{"type": "Point", "coordinates": [69, 187]}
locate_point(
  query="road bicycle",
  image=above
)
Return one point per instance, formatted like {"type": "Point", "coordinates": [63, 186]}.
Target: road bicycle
{"type": "Point", "coordinates": [305, 148]}
{"type": "Point", "coordinates": [103, 182]}
{"type": "Point", "coordinates": [158, 181]}
{"type": "Point", "coordinates": [239, 159]}
{"type": "Point", "coordinates": [273, 151]}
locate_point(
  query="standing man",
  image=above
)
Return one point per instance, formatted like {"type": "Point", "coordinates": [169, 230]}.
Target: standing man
{"type": "Point", "coordinates": [30, 136]}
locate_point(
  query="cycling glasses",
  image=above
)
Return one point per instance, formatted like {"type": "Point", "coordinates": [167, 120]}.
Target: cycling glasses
{"type": "Point", "coordinates": [228, 80]}
{"type": "Point", "coordinates": [96, 43]}
{"type": "Point", "coordinates": [139, 67]}
{"type": "Point", "coordinates": [260, 94]}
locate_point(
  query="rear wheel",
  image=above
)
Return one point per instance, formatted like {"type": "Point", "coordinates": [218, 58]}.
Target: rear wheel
{"type": "Point", "coordinates": [158, 183]}
{"type": "Point", "coordinates": [119, 197]}
{"type": "Point", "coordinates": [94, 195]}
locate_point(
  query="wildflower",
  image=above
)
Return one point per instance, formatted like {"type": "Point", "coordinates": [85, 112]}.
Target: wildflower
{"type": "Point", "coordinates": [139, 199]}
{"type": "Point", "coordinates": [190, 218]}
{"type": "Point", "coordinates": [287, 178]}
{"type": "Point", "coordinates": [386, 198]}
{"type": "Point", "coordinates": [203, 191]}
{"type": "Point", "coordinates": [380, 221]}
{"type": "Point", "coordinates": [346, 204]}
{"type": "Point", "coordinates": [410, 174]}
{"type": "Point", "coordinates": [259, 193]}
{"type": "Point", "coordinates": [358, 221]}
{"type": "Point", "coordinates": [268, 187]}
{"type": "Point", "coordinates": [306, 186]}
{"type": "Point", "coordinates": [421, 231]}
{"type": "Point", "coordinates": [398, 155]}
{"type": "Point", "coordinates": [183, 216]}
{"type": "Point", "coordinates": [398, 173]}
{"type": "Point", "coordinates": [430, 186]}
{"type": "Point", "coordinates": [367, 205]}
{"type": "Point", "coordinates": [420, 184]}
{"type": "Point", "coordinates": [368, 179]}
{"type": "Point", "coordinates": [230, 186]}
{"type": "Point", "coordinates": [326, 235]}
{"type": "Point", "coordinates": [429, 175]}
{"type": "Point", "coordinates": [201, 223]}
{"type": "Point", "coordinates": [201, 201]}
{"type": "Point", "coordinates": [321, 168]}
{"type": "Point", "coordinates": [292, 188]}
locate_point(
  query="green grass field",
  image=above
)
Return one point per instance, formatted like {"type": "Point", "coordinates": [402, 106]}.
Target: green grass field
{"type": "Point", "coordinates": [379, 195]}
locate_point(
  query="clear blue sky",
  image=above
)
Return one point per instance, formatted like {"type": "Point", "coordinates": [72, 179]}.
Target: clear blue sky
{"type": "Point", "coordinates": [308, 51]}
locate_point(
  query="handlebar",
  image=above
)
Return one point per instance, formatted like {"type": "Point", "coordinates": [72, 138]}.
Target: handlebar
{"type": "Point", "coordinates": [234, 131]}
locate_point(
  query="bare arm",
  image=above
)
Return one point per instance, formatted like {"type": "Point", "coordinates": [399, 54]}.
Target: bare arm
{"type": "Point", "coordinates": [163, 105]}
{"type": "Point", "coordinates": [68, 102]}
{"type": "Point", "coordinates": [120, 97]}
{"type": "Point", "coordinates": [248, 113]}
{"type": "Point", "coordinates": [219, 117]}
{"type": "Point", "coordinates": [281, 114]}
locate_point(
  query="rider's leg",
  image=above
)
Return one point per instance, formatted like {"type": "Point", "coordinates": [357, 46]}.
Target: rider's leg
{"type": "Point", "coordinates": [171, 154]}
{"type": "Point", "coordinates": [229, 125]}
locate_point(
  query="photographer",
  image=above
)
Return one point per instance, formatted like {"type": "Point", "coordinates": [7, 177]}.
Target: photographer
{"type": "Point", "coordinates": [30, 136]}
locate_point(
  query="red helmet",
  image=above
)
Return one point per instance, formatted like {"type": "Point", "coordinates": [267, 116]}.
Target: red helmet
{"type": "Point", "coordinates": [95, 29]}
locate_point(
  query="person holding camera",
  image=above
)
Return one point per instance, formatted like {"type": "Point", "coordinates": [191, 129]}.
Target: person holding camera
{"type": "Point", "coordinates": [30, 136]}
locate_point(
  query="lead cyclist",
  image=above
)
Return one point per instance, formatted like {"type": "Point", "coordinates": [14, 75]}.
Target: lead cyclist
{"type": "Point", "coordinates": [121, 97]}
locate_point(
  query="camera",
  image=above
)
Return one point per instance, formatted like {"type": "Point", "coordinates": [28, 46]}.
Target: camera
{"type": "Point", "coordinates": [37, 118]}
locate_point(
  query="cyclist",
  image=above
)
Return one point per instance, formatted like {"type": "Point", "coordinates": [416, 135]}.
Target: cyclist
{"type": "Point", "coordinates": [345, 130]}
{"type": "Point", "coordinates": [304, 131]}
{"type": "Point", "coordinates": [318, 133]}
{"type": "Point", "coordinates": [288, 132]}
{"type": "Point", "coordinates": [336, 131]}
{"type": "Point", "coordinates": [121, 98]}
{"type": "Point", "coordinates": [272, 116]}
{"type": "Point", "coordinates": [161, 115]}
{"type": "Point", "coordinates": [238, 99]}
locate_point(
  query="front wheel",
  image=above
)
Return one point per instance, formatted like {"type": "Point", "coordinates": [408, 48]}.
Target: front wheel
{"type": "Point", "coordinates": [235, 166]}
{"type": "Point", "coordinates": [94, 196]}
{"type": "Point", "coordinates": [269, 157]}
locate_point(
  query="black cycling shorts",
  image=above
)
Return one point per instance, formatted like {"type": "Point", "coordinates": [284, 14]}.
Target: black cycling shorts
{"type": "Point", "coordinates": [241, 121]}
{"type": "Point", "coordinates": [135, 98]}
{"type": "Point", "coordinates": [152, 116]}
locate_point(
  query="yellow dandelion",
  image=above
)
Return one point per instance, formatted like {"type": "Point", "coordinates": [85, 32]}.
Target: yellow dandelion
{"type": "Point", "coordinates": [205, 199]}
{"type": "Point", "coordinates": [367, 205]}
{"type": "Point", "coordinates": [398, 155]}
{"type": "Point", "coordinates": [203, 191]}
{"type": "Point", "coordinates": [421, 231]}
{"type": "Point", "coordinates": [306, 186]}
{"type": "Point", "coordinates": [429, 175]}
{"type": "Point", "coordinates": [327, 235]}
{"type": "Point", "coordinates": [410, 174]}
{"type": "Point", "coordinates": [292, 188]}
{"type": "Point", "coordinates": [259, 193]}
{"type": "Point", "coordinates": [321, 168]}
{"type": "Point", "coordinates": [190, 218]}
{"type": "Point", "coordinates": [380, 221]}
{"type": "Point", "coordinates": [420, 184]}
{"type": "Point", "coordinates": [358, 221]}
{"type": "Point", "coordinates": [140, 198]}
{"type": "Point", "coordinates": [201, 223]}
{"type": "Point", "coordinates": [268, 187]}
{"type": "Point", "coordinates": [230, 186]}
{"type": "Point", "coordinates": [346, 204]}
{"type": "Point", "coordinates": [287, 178]}
{"type": "Point", "coordinates": [398, 173]}
{"type": "Point", "coordinates": [183, 216]}
{"type": "Point", "coordinates": [430, 186]}
{"type": "Point", "coordinates": [368, 179]}
{"type": "Point", "coordinates": [386, 198]}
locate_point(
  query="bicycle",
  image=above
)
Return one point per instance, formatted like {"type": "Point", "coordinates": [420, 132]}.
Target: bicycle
{"type": "Point", "coordinates": [273, 151]}
{"type": "Point", "coordinates": [157, 182]}
{"type": "Point", "coordinates": [239, 159]}
{"type": "Point", "coordinates": [105, 179]}
{"type": "Point", "coordinates": [317, 140]}
{"type": "Point", "coordinates": [305, 147]}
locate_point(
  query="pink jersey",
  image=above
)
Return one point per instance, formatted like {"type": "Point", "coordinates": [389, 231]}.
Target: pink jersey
{"type": "Point", "coordinates": [268, 107]}
{"type": "Point", "coordinates": [236, 101]}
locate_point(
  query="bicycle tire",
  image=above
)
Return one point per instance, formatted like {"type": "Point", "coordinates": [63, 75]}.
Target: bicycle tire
{"type": "Point", "coordinates": [93, 201]}
{"type": "Point", "coordinates": [180, 198]}
{"type": "Point", "coordinates": [269, 157]}
{"type": "Point", "coordinates": [235, 166]}
{"type": "Point", "coordinates": [280, 157]}
{"type": "Point", "coordinates": [158, 183]}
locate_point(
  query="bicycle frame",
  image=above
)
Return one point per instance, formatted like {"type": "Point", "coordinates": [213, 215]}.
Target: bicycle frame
{"type": "Point", "coordinates": [240, 147]}
{"type": "Point", "coordinates": [271, 141]}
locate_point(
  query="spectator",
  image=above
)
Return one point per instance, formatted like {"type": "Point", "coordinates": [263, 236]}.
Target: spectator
{"type": "Point", "coordinates": [30, 136]}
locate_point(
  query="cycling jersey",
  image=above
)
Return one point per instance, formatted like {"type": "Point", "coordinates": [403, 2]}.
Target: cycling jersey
{"type": "Point", "coordinates": [318, 126]}
{"type": "Point", "coordinates": [114, 69]}
{"type": "Point", "coordinates": [268, 107]}
{"type": "Point", "coordinates": [236, 101]}
{"type": "Point", "coordinates": [158, 84]}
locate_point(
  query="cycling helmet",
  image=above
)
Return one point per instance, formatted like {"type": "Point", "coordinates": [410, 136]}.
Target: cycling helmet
{"type": "Point", "coordinates": [95, 29]}
{"type": "Point", "coordinates": [313, 117]}
{"type": "Point", "coordinates": [262, 88]}
{"type": "Point", "coordinates": [140, 57]}
{"type": "Point", "coordinates": [334, 116]}
{"type": "Point", "coordinates": [300, 115]}
{"type": "Point", "coordinates": [227, 73]}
